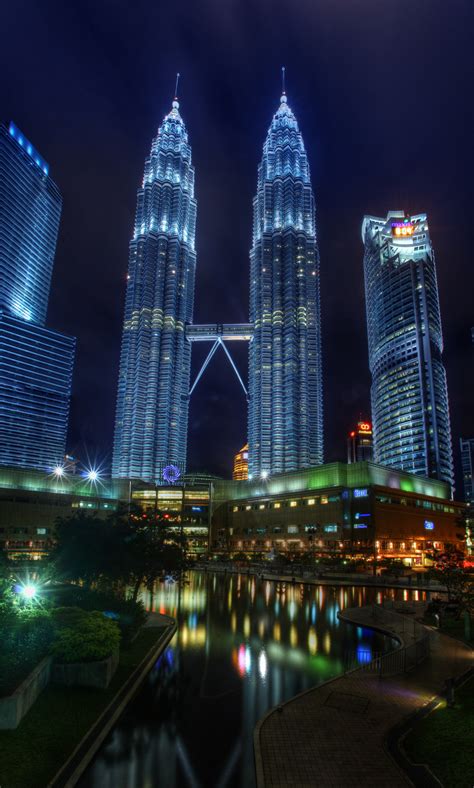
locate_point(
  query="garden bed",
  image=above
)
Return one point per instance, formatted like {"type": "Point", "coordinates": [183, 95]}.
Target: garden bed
{"type": "Point", "coordinates": [443, 740]}
{"type": "Point", "coordinates": [32, 754]}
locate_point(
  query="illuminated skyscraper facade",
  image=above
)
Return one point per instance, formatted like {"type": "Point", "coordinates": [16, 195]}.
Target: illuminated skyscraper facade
{"type": "Point", "coordinates": [153, 389]}
{"type": "Point", "coordinates": [241, 464]}
{"type": "Point", "coordinates": [30, 210]}
{"type": "Point", "coordinates": [467, 467]}
{"type": "Point", "coordinates": [285, 373]}
{"type": "Point", "coordinates": [410, 409]}
{"type": "Point", "coordinates": [36, 364]}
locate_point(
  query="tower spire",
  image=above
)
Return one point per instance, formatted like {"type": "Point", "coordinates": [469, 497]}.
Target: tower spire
{"type": "Point", "coordinates": [283, 91]}
{"type": "Point", "coordinates": [176, 87]}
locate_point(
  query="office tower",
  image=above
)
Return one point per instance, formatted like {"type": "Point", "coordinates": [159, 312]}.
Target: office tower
{"type": "Point", "coordinates": [360, 443]}
{"type": "Point", "coordinates": [410, 410]}
{"type": "Point", "coordinates": [285, 374]}
{"type": "Point", "coordinates": [153, 388]}
{"type": "Point", "coordinates": [241, 464]}
{"type": "Point", "coordinates": [467, 466]}
{"type": "Point", "coordinates": [30, 210]}
{"type": "Point", "coordinates": [35, 363]}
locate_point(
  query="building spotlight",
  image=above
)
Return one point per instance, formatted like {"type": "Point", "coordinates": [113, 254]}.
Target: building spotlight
{"type": "Point", "coordinates": [59, 471]}
{"type": "Point", "coordinates": [264, 474]}
{"type": "Point", "coordinates": [92, 475]}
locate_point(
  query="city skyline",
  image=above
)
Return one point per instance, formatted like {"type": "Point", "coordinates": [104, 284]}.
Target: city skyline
{"type": "Point", "coordinates": [407, 169]}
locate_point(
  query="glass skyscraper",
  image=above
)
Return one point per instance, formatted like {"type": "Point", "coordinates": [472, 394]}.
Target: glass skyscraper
{"type": "Point", "coordinates": [35, 363]}
{"type": "Point", "coordinates": [153, 388]}
{"type": "Point", "coordinates": [30, 210]}
{"type": "Point", "coordinates": [467, 467]}
{"type": "Point", "coordinates": [285, 371]}
{"type": "Point", "coordinates": [410, 411]}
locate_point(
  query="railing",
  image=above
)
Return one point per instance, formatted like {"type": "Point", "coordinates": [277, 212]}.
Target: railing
{"type": "Point", "coordinates": [415, 646]}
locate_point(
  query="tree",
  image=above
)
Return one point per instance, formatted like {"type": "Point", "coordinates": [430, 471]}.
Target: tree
{"type": "Point", "coordinates": [126, 548]}
{"type": "Point", "coordinates": [448, 570]}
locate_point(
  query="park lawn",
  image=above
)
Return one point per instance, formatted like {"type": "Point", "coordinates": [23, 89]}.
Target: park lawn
{"type": "Point", "coordinates": [32, 754]}
{"type": "Point", "coordinates": [443, 740]}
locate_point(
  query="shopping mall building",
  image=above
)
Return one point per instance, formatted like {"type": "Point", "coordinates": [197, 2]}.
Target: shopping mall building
{"type": "Point", "coordinates": [355, 509]}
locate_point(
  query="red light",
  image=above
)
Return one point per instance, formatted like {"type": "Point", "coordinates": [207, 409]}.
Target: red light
{"type": "Point", "coordinates": [352, 435]}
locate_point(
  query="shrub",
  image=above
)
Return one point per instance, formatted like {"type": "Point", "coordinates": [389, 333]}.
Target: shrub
{"type": "Point", "coordinates": [25, 641]}
{"type": "Point", "coordinates": [92, 637]}
{"type": "Point", "coordinates": [128, 614]}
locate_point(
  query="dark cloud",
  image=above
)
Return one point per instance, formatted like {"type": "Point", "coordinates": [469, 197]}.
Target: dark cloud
{"type": "Point", "coordinates": [382, 95]}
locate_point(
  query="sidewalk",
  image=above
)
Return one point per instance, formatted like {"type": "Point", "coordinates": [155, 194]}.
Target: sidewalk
{"type": "Point", "coordinates": [334, 735]}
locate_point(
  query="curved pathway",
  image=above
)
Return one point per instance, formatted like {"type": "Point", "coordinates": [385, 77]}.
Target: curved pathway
{"type": "Point", "coordinates": [334, 735]}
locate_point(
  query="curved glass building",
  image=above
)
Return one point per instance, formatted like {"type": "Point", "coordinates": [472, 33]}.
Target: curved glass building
{"type": "Point", "coordinates": [152, 401]}
{"type": "Point", "coordinates": [409, 394]}
{"type": "Point", "coordinates": [285, 375]}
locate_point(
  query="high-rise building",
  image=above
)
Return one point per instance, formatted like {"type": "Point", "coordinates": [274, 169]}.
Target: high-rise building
{"type": "Point", "coordinates": [360, 443]}
{"type": "Point", "coordinates": [153, 388]}
{"type": "Point", "coordinates": [241, 464]}
{"type": "Point", "coordinates": [30, 211]}
{"type": "Point", "coordinates": [467, 466]}
{"type": "Point", "coordinates": [409, 394]}
{"type": "Point", "coordinates": [35, 363]}
{"type": "Point", "coordinates": [285, 371]}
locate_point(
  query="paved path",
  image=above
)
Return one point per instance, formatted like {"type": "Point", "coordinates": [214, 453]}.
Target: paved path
{"type": "Point", "coordinates": [334, 735]}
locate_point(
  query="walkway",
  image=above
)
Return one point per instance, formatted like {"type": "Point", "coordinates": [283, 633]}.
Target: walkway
{"type": "Point", "coordinates": [334, 735]}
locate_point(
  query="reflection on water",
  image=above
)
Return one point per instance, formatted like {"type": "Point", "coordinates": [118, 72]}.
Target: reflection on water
{"type": "Point", "coordinates": [243, 645]}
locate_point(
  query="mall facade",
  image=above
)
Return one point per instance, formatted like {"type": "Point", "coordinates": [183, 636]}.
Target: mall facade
{"type": "Point", "coordinates": [360, 509]}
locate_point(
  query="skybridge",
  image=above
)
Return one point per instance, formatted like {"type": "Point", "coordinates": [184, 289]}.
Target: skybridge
{"type": "Point", "coordinates": [218, 334]}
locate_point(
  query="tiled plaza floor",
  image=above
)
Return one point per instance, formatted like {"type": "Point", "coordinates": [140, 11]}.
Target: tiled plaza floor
{"type": "Point", "coordinates": [334, 735]}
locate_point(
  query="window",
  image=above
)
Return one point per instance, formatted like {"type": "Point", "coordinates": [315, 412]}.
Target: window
{"type": "Point", "coordinates": [330, 529]}
{"type": "Point", "coordinates": [262, 506]}
{"type": "Point", "coordinates": [293, 503]}
{"type": "Point", "coordinates": [42, 531]}
{"type": "Point", "coordinates": [276, 505]}
{"type": "Point", "coordinates": [311, 501]}
{"type": "Point", "coordinates": [293, 529]}
{"type": "Point", "coordinates": [324, 499]}
{"type": "Point", "coordinates": [277, 529]}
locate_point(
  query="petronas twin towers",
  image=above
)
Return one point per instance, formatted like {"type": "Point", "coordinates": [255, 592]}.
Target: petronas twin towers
{"type": "Point", "coordinates": [285, 377]}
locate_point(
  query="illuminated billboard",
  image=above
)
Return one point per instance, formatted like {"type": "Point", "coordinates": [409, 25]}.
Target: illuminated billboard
{"type": "Point", "coordinates": [403, 229]}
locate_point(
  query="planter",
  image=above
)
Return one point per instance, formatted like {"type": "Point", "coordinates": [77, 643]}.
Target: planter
{"type": "Point", "coordinates": [85, 674]}
{"type": "Point", "coordinates": [14, 707]}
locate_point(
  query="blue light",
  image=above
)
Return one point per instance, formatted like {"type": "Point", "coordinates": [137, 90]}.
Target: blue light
{"type": "Point", "coordinates": [361, 493]}
{"type": "Point", "coordinates": [429, 525]}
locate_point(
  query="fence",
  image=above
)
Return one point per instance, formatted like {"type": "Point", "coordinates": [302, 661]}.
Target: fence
{"type": "Point", "coordinates": [414, 636]}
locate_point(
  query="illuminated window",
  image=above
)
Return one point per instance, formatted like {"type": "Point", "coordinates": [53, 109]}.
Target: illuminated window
{"type": "Point", "coordinates": [293, 503]}
{"type": "Point", "coordinates": [247, 508]}
{"type": "Point", "coordinates": [262, 506]}
{"type": "Point", "coordinates": [277, 505]}
{"type": "Point", "coordinates": [235, 508]}
{"type": "Point", "coordinates": [324, 499]}
{"type": "Point", "coordinates": [311, 501]}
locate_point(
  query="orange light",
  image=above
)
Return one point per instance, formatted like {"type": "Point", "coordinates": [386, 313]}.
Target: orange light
{"type": "Point", "coordinates": [352, 434]}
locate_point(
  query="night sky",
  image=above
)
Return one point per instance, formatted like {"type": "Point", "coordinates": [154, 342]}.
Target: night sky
{"type": "Point", "coordinates": [383, 95]}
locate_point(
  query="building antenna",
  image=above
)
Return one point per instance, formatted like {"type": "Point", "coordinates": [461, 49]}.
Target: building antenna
{"type": "Point", "coordinates": [283, 80]}
{"type": "Point", "coordinates": [176, 88]}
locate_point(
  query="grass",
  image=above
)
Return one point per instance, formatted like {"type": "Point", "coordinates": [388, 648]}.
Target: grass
{"type": "Point", "coordinates": [444, 738]}
{"type": "Point", "coordinates": [453, 627]}
{"type": "Point", "coordinates": [31, 755]}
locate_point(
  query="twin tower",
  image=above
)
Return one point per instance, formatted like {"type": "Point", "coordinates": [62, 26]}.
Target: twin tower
{"type": "Point", "coordinates": [285, 423]}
